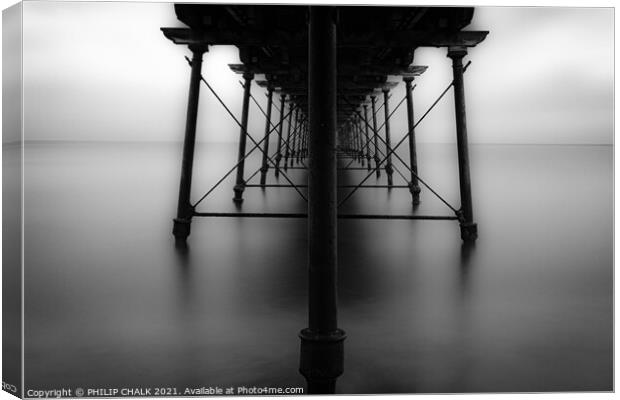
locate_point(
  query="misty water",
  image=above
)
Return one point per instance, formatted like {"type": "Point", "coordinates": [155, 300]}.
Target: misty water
{"type": "Point", "coordinates": [110, 302]}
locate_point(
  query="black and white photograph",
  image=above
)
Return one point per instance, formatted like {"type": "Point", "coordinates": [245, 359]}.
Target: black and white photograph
{"type": "Point", "coordinates": [306, 198]}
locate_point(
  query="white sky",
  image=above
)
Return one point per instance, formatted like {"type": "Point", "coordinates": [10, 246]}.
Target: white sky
{"type": "Point", "coordinates": [104, 71]}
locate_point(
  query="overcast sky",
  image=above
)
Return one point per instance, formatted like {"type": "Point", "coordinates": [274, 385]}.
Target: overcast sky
{"type": "Point", "coordinates": [104, 71]}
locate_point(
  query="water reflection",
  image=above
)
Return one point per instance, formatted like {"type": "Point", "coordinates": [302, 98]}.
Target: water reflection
{"type": "Point", "coordinates": [465, 266]}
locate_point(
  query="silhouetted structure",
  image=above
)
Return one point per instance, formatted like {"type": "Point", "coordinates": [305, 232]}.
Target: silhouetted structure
{"type": "Point", "coordinates": [325, 75]}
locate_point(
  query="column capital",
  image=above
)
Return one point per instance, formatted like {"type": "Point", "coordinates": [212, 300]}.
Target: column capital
{"type": "Point", "coordinates": [408, 79]}
{"type": "Point", "coordinates": [457, 52]}
{"type": "Point", "coordinates": [248, 75]}
{"type": "Point", "coordinates": [198, 48]}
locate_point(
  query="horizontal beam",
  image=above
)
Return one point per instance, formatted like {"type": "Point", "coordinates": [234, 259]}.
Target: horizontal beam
{"type": "Point", "coordinates": [279, 185]}
{"type": "Point", "coordinates": [340, 216]}
{"type": "Point", "coordinates": [374, 39]}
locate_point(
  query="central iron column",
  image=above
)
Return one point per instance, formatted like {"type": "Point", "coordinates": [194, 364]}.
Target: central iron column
{"type": "Point", "coordinates": [240, 183]}
{"type": "Point", "coordinates": [185, 211]}
{"type": "Point", "coordinates": [414, 188]}
{"type": "Point", "coordinates": [469, 229]}
{"type": "Point", "coordinates": [322, 343]}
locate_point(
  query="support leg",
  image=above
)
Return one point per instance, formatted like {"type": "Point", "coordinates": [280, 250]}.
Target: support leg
{"type": "Point", "coordinates": [414, 187]}
{"type": "Point", "coordinates": [240, 183]}
{"type": "Point", "coordinates": [360, 142]}
{"type": "Point", "coordinates": [279, 155]}
{"type": "Point", "coordinates": [367, 136]}
{"type": "Point", "coordinates": [388, 144]}
{"type": "Point", "coordinates": [287, 150]}
{"type": "Point", "coordinates": [322, 343]}
{"type": "Point", "coordinates": [373, 100]}
{"type": "Point", "coordinates": [469, 229]}
{"type": "Point", "coordinates": [185, 211]}
{"type": "Point", "coordinates": [300, 136]}
{"type": "Point", "coordinates": [265, 166]}
{"type": "Point", "coordinates": [294, 135]}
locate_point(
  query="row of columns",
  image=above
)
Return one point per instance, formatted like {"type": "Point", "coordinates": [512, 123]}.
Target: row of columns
{"type": "Point", "coordinates": [322, 342]}
{"type": "Point", "coordinates": [359, 145]}
{"type": "Point", "coordinates": [296, 143]}
{"type": "Point", "coordinates": [294, 147]}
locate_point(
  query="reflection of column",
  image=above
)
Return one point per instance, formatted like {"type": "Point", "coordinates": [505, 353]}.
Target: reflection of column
{"type": "Point", "coordinates": [322, 343]}
{"type": "Point", "coordinates": [185, 211]}
{"type": "Point", "coordinates": [388, 145]}
{"type": "Point", "coordinates": [240, 183]}
{"type": "Point", "coordinates": [265, 166]}
{"type": "Point", "coordinates": [469, 229]}
{"type": "Point", "coordinates": [366, 135]}
{"type": "Point", "coordinates": [414, 188]}
{"type": "Point", "coordinates": [373, 100]}
{"type": "Point", "coordinates": [279, 155]}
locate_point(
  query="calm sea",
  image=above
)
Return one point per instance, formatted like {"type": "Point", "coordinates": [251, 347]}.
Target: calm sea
{"type": "Point", "coordinates": [110, 302]}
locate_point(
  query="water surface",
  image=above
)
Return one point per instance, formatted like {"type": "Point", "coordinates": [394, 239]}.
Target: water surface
{"type": "Point", "coordinates": [110, 302]}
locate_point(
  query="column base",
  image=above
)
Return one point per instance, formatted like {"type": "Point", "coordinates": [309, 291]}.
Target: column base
{"type": "Point", "coordinates": [181, 229]}
{"type": "Point", "coordinates": [238, 189]}
{"type": "Point", "coordinates": [415, 193]}
{"type": "Point", "coordinates": [322, 359]}
{"type": "Point", "coordinates": [389, 170]}
{"type": "Point", "coordinates": [469, 231]}
{"type": "Point", "coordinates": [263, 175]}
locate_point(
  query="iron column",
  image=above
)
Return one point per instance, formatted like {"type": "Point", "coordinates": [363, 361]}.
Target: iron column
{"type": "Point", "coordinates": [265, 167]}
{"type": "Point", "coordinates": [366, 134]}
{"type": "Point", "coordinates": [287, 151]}
{"type": "Point", "coordinates": [185, 211]}
{"type": "Point", "coordinates": [240, 183]}
{"type": "Point", "coordinates": [388, 146]}
{"type": "Point", "coordinates": [469, 229]}
{"type": "Point", "coordinates": [322, 343]}
{"type": "Point", "coordinates": [279, 155]}
{"type": "Point", "coordinates": [294, 135]}
{"type": "Point", "coordinates": [414, 188]}
{"type": "Point", "coordinates": [300, 137]}
{"type": "Point", "coordinates": [373, 100]}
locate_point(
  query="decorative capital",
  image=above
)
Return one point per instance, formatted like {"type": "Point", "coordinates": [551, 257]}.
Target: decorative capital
{"type": "Point", "coordinates": [457, 52]}
{"type": "Point", "coordinates": [248, 75]}
{"type": "Point", "coordinates": [198, 49]}
{"type": "Point", "coordinates": [408, 79]}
